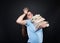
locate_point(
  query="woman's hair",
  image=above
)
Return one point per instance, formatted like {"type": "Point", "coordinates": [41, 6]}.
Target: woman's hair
{"type": "Point", "coordinates": [24, 31]}
{"type": "Point", "coordinates": [24, 34]}
{"type": "Point", "coordinates": [24, 28]}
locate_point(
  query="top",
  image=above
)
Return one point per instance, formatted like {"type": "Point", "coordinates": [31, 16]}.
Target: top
{"type": "Point", "coordinates": [35, 36]}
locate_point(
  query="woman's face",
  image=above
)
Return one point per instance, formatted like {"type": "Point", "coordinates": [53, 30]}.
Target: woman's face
{"type": "Point", "coordinates": [29, 15]}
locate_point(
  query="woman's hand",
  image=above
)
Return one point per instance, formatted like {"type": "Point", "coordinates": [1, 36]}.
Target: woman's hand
{"type": "Point", "coordinates": [25, 10]}
{"type": "Point", "coordinates": [44, 24]}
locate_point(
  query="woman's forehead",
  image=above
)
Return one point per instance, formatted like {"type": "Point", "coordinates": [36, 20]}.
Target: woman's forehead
{"type": "Point", "coordinates": [29, 13]}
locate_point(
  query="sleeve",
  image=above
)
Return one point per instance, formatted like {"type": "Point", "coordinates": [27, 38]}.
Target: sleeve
{"type": "Point", "coordinates": [31, 27]}
{"type": "Point", "coordinates": [27, 22]}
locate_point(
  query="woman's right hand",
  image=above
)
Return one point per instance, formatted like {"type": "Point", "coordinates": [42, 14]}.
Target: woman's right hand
{"type": "Point", "coordinates": [25, 10]}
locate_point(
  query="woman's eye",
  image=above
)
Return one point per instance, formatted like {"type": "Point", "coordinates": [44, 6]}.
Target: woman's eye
{"type": "Point", "coordinates": [28, 14]}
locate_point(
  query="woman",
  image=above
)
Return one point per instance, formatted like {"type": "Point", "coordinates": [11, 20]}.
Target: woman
{"type": "Point", "coordinates": [34, 35]}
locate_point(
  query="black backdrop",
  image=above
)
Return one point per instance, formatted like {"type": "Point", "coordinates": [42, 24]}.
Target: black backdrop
{"type": "Point", "coordinates": [10, 31]}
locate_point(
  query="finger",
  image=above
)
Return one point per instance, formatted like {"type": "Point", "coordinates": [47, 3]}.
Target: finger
{"type": "Point", "coordinates": [44, 25]}
{"type": "Point", "coordinates": [43, 22]}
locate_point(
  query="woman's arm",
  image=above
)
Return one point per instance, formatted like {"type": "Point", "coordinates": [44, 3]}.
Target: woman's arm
{"type": "Point", "coordinates": [20, 18]}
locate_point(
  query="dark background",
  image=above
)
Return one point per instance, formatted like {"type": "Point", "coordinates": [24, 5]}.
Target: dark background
{"type": "Point", "coordinates": [10, 31]}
